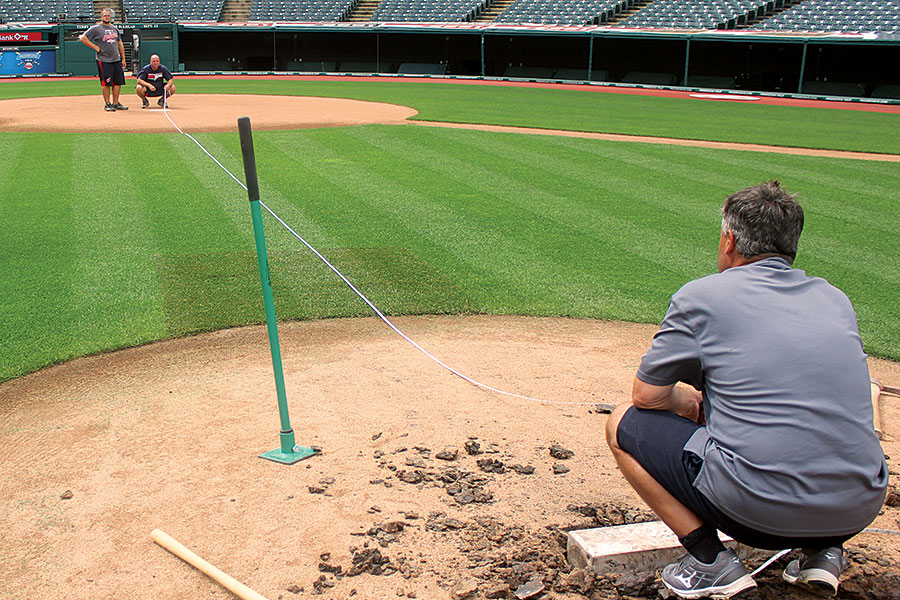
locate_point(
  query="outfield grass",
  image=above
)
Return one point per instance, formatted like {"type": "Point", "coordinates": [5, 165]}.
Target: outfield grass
{"type": "Point", "coordinates": [566, 109]}
{"type": "Point", "coordinates": [159, 242]}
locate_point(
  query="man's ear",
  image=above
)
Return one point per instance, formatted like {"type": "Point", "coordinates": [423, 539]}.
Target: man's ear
{"type": "Point", "coordinates": [730, 244]}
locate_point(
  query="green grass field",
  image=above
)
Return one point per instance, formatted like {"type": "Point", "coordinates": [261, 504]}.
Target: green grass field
{"type": "Point", "coordinates": [158, 243]}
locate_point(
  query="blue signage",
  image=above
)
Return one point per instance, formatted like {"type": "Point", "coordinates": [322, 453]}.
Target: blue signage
{"type": "Point", "coordinates": [25, 62]}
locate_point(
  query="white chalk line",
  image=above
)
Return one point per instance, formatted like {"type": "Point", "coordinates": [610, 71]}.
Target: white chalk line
{"type": "Point", "coordinates": [362, 296]}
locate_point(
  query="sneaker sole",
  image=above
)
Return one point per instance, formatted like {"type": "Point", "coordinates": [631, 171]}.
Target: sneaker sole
{"type": "Point", "coordinates": [819, 581]}
{"type": "Point", "coordinates": [722, 592]}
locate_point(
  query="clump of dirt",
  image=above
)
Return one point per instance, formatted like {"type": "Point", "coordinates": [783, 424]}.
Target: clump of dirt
{"type": "Point", "coordinates": [493, 559]}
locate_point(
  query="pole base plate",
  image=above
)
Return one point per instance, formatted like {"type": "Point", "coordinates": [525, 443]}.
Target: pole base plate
{"type": "Point", "coordinates": [288, 458]}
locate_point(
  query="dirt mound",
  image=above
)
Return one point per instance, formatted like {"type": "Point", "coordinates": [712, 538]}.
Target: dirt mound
{"type": "Point", "coordinates": [194, 113]}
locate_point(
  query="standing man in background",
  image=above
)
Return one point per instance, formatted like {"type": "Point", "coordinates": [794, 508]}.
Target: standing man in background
{"type": "Point", "coordinates": [103, 38]}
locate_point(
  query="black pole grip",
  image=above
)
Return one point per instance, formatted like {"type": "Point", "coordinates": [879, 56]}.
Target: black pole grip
{"type": "Point", "coordinates": [249, 158]}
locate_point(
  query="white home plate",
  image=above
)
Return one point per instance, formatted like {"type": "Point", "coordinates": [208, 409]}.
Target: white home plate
{"type": "Point", "coordinates": [725, 97]}
{"type": "Point", "coordinates": [635, 547]}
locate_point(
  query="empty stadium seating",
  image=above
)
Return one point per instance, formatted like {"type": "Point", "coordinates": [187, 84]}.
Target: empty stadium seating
{"type": "Point", "coordinates": [562, 12]}
{"type": "Point", "coordinates": [857, 16]}
{"type": "Point", "coordinates": [162, 11]}
{"type": "Point", "coordinates": [437, 11]}
{"type": "Point", "coordinates": [44, 11]}
{"type": "Point", "coordinates": [881, 16]}
{"type": "Point", "coordinates": [301, 10]}
{"type": "Point", "coordinates": [699, 14]}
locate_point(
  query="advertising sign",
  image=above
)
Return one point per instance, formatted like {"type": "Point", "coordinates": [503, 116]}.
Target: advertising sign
{"type": "Point", "coordinates": [20, 37]}
{"type": "Point", "coordinates": [22, 62]}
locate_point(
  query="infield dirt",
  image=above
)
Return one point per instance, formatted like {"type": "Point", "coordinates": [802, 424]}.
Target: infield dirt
{"type": "Point", "coordinates": [97, 452]}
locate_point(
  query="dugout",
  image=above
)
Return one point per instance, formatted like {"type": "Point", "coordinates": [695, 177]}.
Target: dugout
{"type": "Point", "coordinates": [832, 65]}
{"type": "Point", "coordinates": [850, 65]}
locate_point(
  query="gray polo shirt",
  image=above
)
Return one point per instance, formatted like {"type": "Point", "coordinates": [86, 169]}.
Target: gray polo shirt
{"type": "Point", "coordinates": [107, 38]}
{"type": "Point", "coordinates": [789, 448]}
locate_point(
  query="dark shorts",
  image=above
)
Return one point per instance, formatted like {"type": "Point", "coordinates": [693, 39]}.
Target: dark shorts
{"type": "Point", "coordinates": [155, 92]}
{"type": "Point", "coordinates": [110, 73]}
{"type": "Point", "coordinates": [656, 440]}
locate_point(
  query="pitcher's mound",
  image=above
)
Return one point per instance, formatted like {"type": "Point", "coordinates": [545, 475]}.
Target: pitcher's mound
{"type": "Point", "coordinates": [193, 113]}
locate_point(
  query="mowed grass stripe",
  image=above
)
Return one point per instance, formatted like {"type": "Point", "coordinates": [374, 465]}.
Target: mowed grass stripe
{"type": "Point", "coordinates": [205, 267]}
{"type": "Point", "coordinates": [349, 209]}
{"type": "Point", "coordinates": [39, 313]}
{"type": "Point", "coordinates": [620, 205]}
{"type": "Point", "coordinates": [426, 220]}
{"type": "Point", "coordinates": [608, 189]}
{"type": "Point", "coordinates": [213, 181]}
{"type": "Point", "coordinates": [299, 185]}
{"type": "Point", "coordinates": [498, 203]}
{"type": "Point", "coordinates": [536, 246]}
{"type": "Point", "coordinates": [115, 286]}
{"type": "Point", "coordinates": [393, 185]}
{"type": "Point", "coordinates": [574, 215]}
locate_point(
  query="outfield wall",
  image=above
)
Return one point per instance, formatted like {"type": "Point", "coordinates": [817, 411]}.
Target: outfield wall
{"type": "Point", "coordinates": [851, 65]}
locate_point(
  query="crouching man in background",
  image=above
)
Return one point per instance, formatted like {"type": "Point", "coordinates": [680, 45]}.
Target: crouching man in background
{"type": "Point", "coordinates": [772, 439]}
{"type": "Point", "coordinates": [153, 81]}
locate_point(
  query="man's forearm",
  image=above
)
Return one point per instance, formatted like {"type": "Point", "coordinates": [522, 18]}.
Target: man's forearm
{"type": "Point", "coordinates": [680, 400]}
{"type": "Point", "coordinates": [88, 43]}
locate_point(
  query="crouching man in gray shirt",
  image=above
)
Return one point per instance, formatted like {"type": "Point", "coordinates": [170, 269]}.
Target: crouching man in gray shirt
{"type": "Point", "coordinates": [772, 439]}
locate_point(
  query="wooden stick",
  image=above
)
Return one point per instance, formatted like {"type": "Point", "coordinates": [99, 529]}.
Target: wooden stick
{"type": "Point", "coordinates": [225, 580]}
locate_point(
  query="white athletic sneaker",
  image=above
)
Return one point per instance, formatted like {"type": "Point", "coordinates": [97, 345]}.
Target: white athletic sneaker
{"type": "Point", "coordinates": [690, 578]}
{"type": "Point", "coordinates": [819, 572]}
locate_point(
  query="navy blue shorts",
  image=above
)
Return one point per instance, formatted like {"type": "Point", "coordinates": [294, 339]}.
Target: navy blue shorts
{"type": "Point", "coordinates": [656, 439]}
{"type": "Point", "coordinates": [110, 73]}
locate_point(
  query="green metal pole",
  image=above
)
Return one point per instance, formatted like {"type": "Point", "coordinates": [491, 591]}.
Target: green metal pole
{"type": "Point", "coordinates": [482, 54]}
{"type": "Point", "coordinates": [288, 453]}
{"type": "Point", "coordinates": [590, 56]}
{"type": "Point", "coordinates": [802, 67]}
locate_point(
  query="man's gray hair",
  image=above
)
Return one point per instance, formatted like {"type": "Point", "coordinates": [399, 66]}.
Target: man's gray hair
{"type": "Point", "coordinates": [765, 219]}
